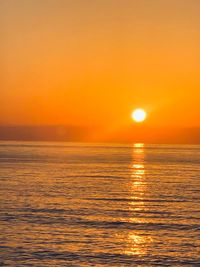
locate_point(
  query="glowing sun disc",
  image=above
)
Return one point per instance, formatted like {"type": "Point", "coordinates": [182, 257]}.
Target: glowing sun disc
{"type": "Point", "coordinates": [139, 115]}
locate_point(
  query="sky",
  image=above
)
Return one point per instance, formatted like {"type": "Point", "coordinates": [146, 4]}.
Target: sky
{"type": "Point", "coordinates": [90, 63]}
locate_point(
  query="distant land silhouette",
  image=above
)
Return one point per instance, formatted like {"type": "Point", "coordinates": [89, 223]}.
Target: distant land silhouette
{"type": "Point", "coordinates": [130, 134]}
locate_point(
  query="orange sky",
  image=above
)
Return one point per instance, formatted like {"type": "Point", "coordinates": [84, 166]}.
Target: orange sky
{"type": "Point", "coordinates": [86, 62]}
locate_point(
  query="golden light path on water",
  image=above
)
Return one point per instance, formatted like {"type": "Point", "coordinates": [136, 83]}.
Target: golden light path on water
{"type": "Point", "coordinates": [137, 241]}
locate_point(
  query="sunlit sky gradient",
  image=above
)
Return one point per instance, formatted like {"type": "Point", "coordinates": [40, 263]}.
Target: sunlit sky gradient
{"type": "Point", "coordinates": [92, 62]}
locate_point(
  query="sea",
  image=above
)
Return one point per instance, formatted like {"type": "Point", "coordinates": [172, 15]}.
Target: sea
{"type": "Point", "coordinates": [114, 205]}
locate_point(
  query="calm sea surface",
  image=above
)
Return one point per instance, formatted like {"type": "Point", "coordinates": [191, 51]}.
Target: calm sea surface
{"type": "Point", "coordinates": [67, 204]}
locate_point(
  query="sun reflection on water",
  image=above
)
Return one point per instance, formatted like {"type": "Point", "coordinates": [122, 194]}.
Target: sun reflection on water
{"type": "Point", "coordinates": [137, 241]}
{"type": "Point", "coordinates": [138, 244]}
{"type": "Point", "coordinates": [138, 184]}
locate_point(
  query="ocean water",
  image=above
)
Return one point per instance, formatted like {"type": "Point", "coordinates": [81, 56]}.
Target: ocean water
{"type": "Point", "coordinates": [70, 204]}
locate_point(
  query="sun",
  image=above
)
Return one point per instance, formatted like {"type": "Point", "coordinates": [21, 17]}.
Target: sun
{"type": "Point", "coordinates": [139, 115]}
